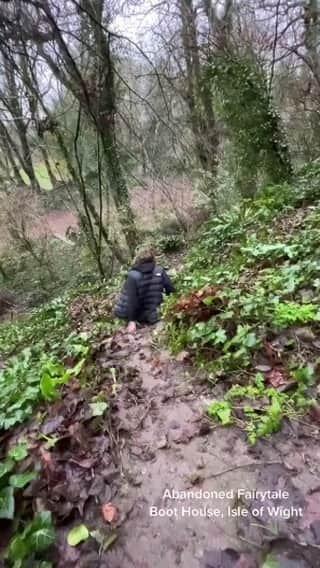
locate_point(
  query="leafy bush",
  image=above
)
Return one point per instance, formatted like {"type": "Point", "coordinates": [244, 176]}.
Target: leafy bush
{"type": "Point", "coordinates": [262, 260]}
{"type": "Point", "coordinates": [290, 313]}
{"type": "Point", "coordinates": [268, 407]}
{"type": "Point", "coordinates": [26, 546]}
{"type": "Point", "coordinates": [10, 481]}
{"type": "Point", "coordinates": [259, 144]}
{"type": "Point", "coordinates": [221, 410]}
{"type": "Point", "coordinates": [170, 243]}
{"type": "Point", "coordinates": [27, 379]}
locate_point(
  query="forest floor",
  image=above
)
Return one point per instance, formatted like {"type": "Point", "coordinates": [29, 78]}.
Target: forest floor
{"type": "Point", "coordinates": [112, 473]}
{"type": "Point", "coordinates": [167, 444]}
{"type": "Point", "coordinates": [119, 447]}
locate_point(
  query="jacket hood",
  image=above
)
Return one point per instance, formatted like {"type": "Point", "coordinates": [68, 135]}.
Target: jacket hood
{"type": "Point", "coordinates": [144, 266]}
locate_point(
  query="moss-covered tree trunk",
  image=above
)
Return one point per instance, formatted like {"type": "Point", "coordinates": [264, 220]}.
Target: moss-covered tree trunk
{"type": "Point", "coordinates": [254, 127]}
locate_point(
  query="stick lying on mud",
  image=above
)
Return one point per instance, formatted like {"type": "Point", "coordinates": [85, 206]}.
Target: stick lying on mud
{"type": "Point", "coordinates": [243, 466]}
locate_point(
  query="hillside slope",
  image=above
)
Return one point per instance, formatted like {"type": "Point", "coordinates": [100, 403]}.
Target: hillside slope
{"type": "Point", "coordinates": [252, 316]}
{"type": "Point", "coordinates": [110, 431]}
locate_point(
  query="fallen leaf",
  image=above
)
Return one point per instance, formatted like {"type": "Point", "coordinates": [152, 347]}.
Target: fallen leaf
{"type": "Point", "coordinates": [74, 385]}
{"type": "Point", "coordinates": [263, 368]}
{"type": "Point", "coordinates": [271, 352]}
{"type": "Point", "coordinates": [46, 458]}
{"type": "Point", "coordinates": [52, 425]}
{"type": "Point", "coordinates": [86, 463]}
{"type": "Point", "coordinates": [305, 334]}
{"type": "Point", "coordinates": [315, 412]}
{"type": "Point", "coordinates": [109, 512]}
{"type": "Point", "coordinates": [182, 356]}
{"type": "Point", "coordinates": [98, 408]}
{"type": "Point", "coordinates": [275, 378]}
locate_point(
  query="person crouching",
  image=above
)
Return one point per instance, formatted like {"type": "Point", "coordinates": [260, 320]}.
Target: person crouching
{"type": "Point", "coordinates": [142, 292]}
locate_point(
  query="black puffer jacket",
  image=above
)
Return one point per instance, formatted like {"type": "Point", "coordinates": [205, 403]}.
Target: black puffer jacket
{"type": "Point", "coordinates": [142, 293]}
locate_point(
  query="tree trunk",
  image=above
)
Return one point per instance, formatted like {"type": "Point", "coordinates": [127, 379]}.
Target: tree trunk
{"type": "Point", "coordinates": [97, 97]}
{"type": "Point", "coordinates": [203, 121]}
{"type": "Point", "coordinates": [9, 147]}
{"type": "Point", "coordinates": [101, 106]}
{"type": "Point", "coordinates": [15, 108]}
{"type": "Point", "coordinates": [312, 43]}
{"type": "Point", "coordinates": [74, 176]}
{"type": "Point", "coordinates": [46, 160]}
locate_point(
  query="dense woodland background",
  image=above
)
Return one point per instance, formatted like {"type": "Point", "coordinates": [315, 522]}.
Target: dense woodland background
{"type": "Point", "coordinates": [122, 121]}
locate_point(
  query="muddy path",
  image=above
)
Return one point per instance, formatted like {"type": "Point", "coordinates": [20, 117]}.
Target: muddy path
{"type": "Point", "coordinates": [158, 484]}
{"type": "Point", "coordinates": [166, 445]}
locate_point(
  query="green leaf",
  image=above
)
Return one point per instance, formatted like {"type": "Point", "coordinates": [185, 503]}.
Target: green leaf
{"type": "Point", "coordinates": [17, 550]}
{"type": "Point", "coordinates": [48, 387]}
{"type": "Point", "coordinates": [221, 410]}
{"type": "Point", "coordinates": [19, 452]}
{"type": "Point", "coordinates": [98, 408]}
{"type": "Point", "coordinates": [6, 503]}
{"type": "Point", "coordinates": [251, 340]}
{"type": "Point", "coordinates": [224, 415]}
{"type": "Point", "coordinates": [271, 562]}
{"type": "Point", "coordinates": [77, 534]}
{"type": "Point", "coordinates": [74, 372]}
{"type": "Point", "coordinates": [6, 467]}
{"type": "Point", "coordinates": [208, 300]}
{"type": "Point", "coordinates": [109, 541]}
{"type": "Point", "coordinates": [98, 536]}
{"type": "Point", "coordinates": [20, 480]}
{"type": "Point", "coordinates": [220, 336]}
{"type": "Point", "coordinates": [40, 532]}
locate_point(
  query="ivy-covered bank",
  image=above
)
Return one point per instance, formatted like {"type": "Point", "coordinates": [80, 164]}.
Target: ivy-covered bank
{"type": "Point", "coordinates": [249, 310]}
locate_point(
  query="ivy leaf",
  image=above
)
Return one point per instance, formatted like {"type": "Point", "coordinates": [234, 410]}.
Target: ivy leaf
{"type": "Point", "coordinates": [6, 503]}
{"type": "Point", "coordinates": [48, 387]}
{"type": "Point", "coordinates": [6, 467]}
{"type": "Point", "coordinates": [17, 550]}
{"type": "Point", "coordinates": [220, 336]}
{"type": "Point", "coordinates": [40, 532]}
{"type": "Point", "coordinates": [77, 534]}
{"type": "Point", "coordinates": [36, 537]}
{"type": "Point", "coordinates": [19, 452]}
{"type": "Point", "coordinates": [20, 480]}
{"type": "Point", "coordinates": [98, 408]}
{"type": "Point", "coordinates": [251, 340]}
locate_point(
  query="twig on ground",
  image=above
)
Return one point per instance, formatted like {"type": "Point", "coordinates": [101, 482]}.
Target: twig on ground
{"type": "Point", "coordinates": [243, 466]}
{"type": "Point", "coordinates": [145, 414]}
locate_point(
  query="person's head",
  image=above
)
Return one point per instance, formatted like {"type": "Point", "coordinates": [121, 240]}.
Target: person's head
{"type": "Point", "coordinates": [144, 254]}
